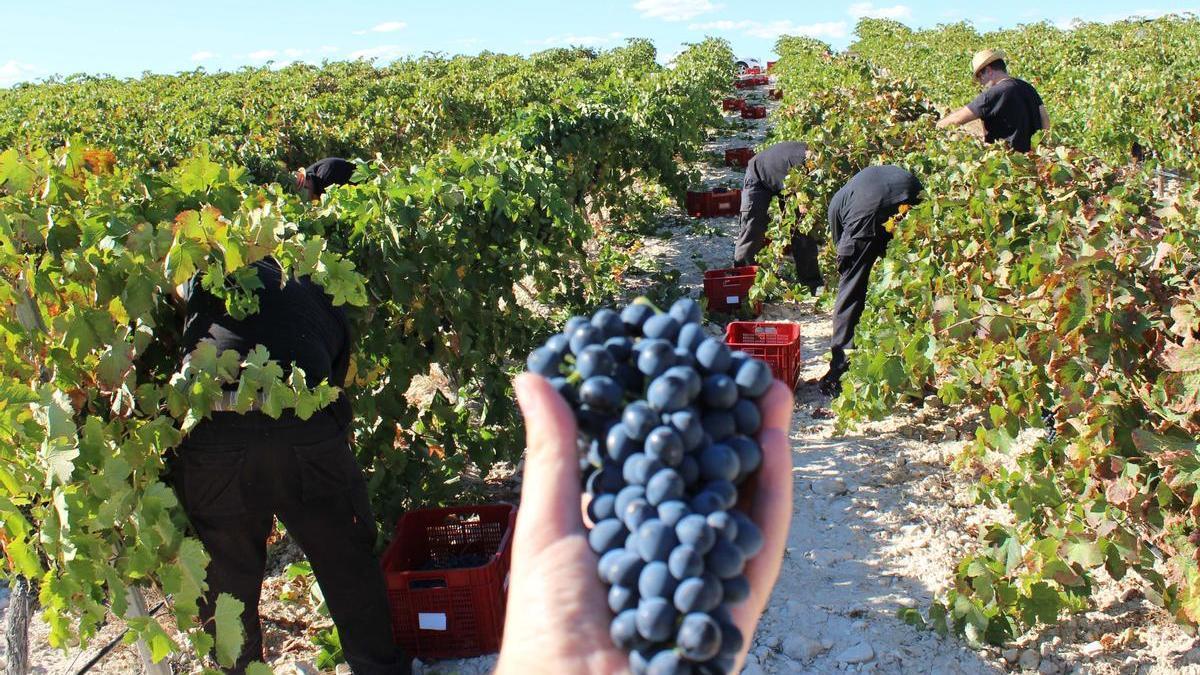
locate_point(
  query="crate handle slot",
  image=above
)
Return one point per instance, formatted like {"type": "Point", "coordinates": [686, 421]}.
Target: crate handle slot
{"type": "Point", "coordinates": [424, 584]}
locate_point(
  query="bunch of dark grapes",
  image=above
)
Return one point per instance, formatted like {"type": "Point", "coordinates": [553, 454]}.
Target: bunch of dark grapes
{"type": "Point", "coordinates": [1051, 424]}
{"type": "Point", "coordinates": [667, 417]}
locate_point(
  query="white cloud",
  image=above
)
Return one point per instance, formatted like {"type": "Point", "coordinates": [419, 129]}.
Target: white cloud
{"type": "Point", "coordinates": [674, 10]}
{"type": "Point", "coordinates": [577, 40]}
{"type": "Point", "coordinates": [13, 71]}
{"type": "Point", "coordinates": [385, 27]}
{"type": "Point", "coordinates": [868, 10]}
{"type": "Point", "coordinates": [203, 56]}
{"type": "Point", "coordinates": [263, 54]}
{"type": "Point", "coordinates": [769, 30]}
{"type": "Point", "coordinates": [382, 52]}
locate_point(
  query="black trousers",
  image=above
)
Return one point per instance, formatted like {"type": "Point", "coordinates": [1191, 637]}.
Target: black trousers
{"type": "Point", "coordinates": [855, 259]}
{"type": "Point", "coordinates": [235, 473]}
{"type": "Point", "coordinates": [756, 215]}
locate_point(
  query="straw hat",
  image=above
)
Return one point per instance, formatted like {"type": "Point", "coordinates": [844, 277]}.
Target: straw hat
{"type": "Point", "coordinates": [986, 58]}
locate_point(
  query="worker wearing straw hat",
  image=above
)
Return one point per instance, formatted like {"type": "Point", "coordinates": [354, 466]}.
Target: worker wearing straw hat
{"type": "Point", "coordinates": [1011, 109]}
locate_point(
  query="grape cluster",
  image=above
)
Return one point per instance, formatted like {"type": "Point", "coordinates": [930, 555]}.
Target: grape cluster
{"type": "Point", "coordinates": [1050, 423]}
{"type": "Point", "coordinates": [666, 418]}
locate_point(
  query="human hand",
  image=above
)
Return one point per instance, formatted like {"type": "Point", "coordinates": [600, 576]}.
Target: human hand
{"type": "Point", "coordinates": [557, 615]}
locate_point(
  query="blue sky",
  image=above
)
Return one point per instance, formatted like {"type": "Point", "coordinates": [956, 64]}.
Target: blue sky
{"type": "Point", "coordinates": [127, 37]}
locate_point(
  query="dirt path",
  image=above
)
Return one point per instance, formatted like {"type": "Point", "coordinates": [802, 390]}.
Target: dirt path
{"type": "Point", "coordinates": [880, 521]}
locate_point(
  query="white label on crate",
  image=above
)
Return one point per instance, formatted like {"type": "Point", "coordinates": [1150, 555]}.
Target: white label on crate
{"type": "Point", "coordinates": [765, 330]}
{"type": "Point", "coordinates": [431, 621]}
{"type": "Point", "coordinates": [732, 300]}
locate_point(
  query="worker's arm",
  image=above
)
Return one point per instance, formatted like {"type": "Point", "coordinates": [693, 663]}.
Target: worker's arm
{"type": "Point", "coordinates": [958, 118]}
{"type": "Point", "coordinates": [1045, 118]}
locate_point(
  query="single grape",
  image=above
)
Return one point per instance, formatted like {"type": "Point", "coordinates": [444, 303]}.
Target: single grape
{"type": "Point", "coordinates": [561, 344]}
{"type": "Point", "coordinates": [731, 635]}
{"type": "Point", "coordinates": [690, 337]}
{"type": "Point", "coordinates": [583, 336]}
{"type": "Point", "coordinates": [637, 512]}
{"type": "Point", "coordinates": [686, 311]}
{"type": "Point", "coordinates": [749, 537]}
{"type": "Point", "coordinates": [601, 392]}
{"type": "Point", "coordinates": [718, 462]}
{"type": "Point", "coordinates": [639, 468]}
{"type": "Point", "coordinates": [725, 490]}
{"type": "Point", "coordinates": [655, 357]}
{"type": "Point", "coordinates": [665, 445]}
{"type": "Point", "coordinates": [705, 503]}
{"type": "Point", "coordinates": [736, 589]}
{"type": "Point", "coordinates": [725, 560]}
{"type": "Point", "coordinates": [690, 377]}
{"type": "Point", "coordinates": [656, 581]}
{"type": "Point", "coordinates": [609, 323]}
{"type": "Point", "coordinates": [685, 562]}
{"type": "Point", "coordinates": [602, 507]}
{"type": "Point", "coordinates": [671, 512]}
{"type": "Point", "coordinates": [621, 567]}
{"type": "Point", "coordinates": [634, 317]}
{"type": "Point", "coordinates": [606, 535]}
{"type": "Point", "coordinates": [618, 445]}
{"type": "Point", "coordinates": [749, 453]}
{"type": "Point", "coordinates": [544, 361]}
{"type": "Point", "coordinates": [724, 525]}
{"type": "Point", "coordinates": [753, 378]}
{"type": "Point", "coordinates": [607, 565]}
{"type": "Point", "coordinates": [661, 327]}
{"type": "Point", "coordinates": [655, 619]}
{"type": "Point", "coordinates": [627, 495]}
{"type": "Point", "coordinates": [713, 356]}
{"type": "Point", "coordinates": [719, 391]}
{"type": "Point", "coordinates": [621, 598]}
{"type": "Point", "coordinates": [623, 630]}
{"type": "Point", "coordinates": [699, 637]}
{"type": "Point", "coordinates": [565, 389]}
{"type": "Point", "coordinates": [698, 594]}
{"type": "Point", "coordinates": [695, 531]}
{"type": "Point", "coordinates": [747, 417]}
{"type": "Point", "coordinates": [574, 323]}
{"type": "Point", "coordinates": [687, 424]}
{"type": "Point", "coordinates": [668, 662]}
{"type": "Point", "coordinates": [639, 420]}
{"type": "Point", "coordinates": [594, 360]}
{"type": "Point", "coordinates": [655, 540]}
{"type": "Point", "coordinates": [665, 485]}
{"type": "Point", "coordinates": [619, 348]}
{"type": "Point", "coordinates": [667, 393]}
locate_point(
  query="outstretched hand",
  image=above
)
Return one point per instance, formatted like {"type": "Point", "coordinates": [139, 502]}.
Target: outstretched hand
{"type": "Point", "coordinates": [557, 615]}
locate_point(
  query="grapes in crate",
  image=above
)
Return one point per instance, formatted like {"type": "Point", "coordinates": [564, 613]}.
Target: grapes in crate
{"type": "Point", "coordinates": [667, 419]}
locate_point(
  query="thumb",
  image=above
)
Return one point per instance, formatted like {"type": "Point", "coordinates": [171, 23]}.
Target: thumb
{"type": "Point", "coordinates": [550, 487]}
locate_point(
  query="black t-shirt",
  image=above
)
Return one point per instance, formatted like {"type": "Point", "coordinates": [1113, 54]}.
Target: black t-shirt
{"type": "Point", "coordinates": [296, 321]}
{"type": "Point", "coordinates": [1010, 110]}
{"type": "Point", "coordinates": [770, 167]}
{"type": "Point", "coordinates": [328, 172]}
{"type": "Point", "coordinates": [863, 205]}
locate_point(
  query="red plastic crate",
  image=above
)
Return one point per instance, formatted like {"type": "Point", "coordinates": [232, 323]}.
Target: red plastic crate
{"type": "Point", "coordinates": [775, 342]}
{"type": "Point", "coordinates": [771, 65]}
{"type": "Point", "coordinates": [727, 290]}
{"type": "Point", "coordinates": [775, 93]}
{"type": "Point", "coordinates": [717, 203]}
{"type": "Point", "coordinates": [751, 81]}
{"type": "Point", "coordinates": [732, 104]}
{"type": "Point", "coordinates": [457, 612]}
{"type": "Point", "coordinates": [754, 112]}
{"type": "Point", "coordinates": [753, 70]}
{"type": "Point", "coordinates": [738, 156]}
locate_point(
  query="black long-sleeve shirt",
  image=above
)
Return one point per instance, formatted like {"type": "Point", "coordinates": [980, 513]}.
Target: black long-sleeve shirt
{"type": "Point", "coordinates": [769, 168]}
{"type": "Point", "coordinates": [863, 205]}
